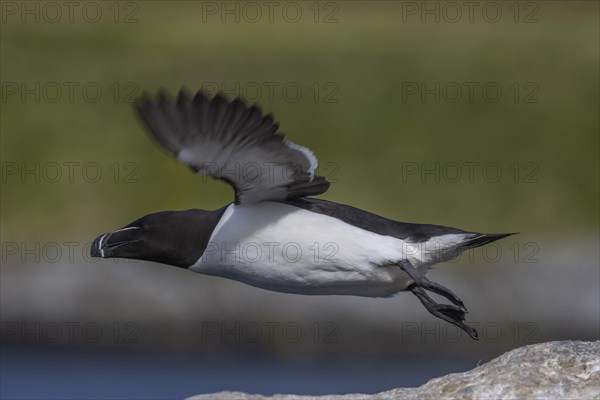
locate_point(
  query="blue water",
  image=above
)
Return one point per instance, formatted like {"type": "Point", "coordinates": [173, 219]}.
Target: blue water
{"type": "Point", "coordinates": [55, 373]}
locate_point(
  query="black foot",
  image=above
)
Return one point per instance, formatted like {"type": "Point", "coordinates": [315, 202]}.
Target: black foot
{"type": "Point", "coordinates": [421, 281]}
{"type": "Point", "coordinates": [449, 313]}
{"type": "Point", "coordinates": [453, 312]}
{"type": "Point", "coordinates": [443, 291]}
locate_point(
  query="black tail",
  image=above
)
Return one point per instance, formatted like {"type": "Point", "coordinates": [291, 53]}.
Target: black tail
{"type": "Point", "coordinates": [484, 239]}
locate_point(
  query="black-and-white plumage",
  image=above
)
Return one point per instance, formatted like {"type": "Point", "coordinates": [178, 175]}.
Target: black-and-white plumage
{"type": "Point", "coordinates": [235, 143]}
{"type": "Point", "coordinates": [274, 235]}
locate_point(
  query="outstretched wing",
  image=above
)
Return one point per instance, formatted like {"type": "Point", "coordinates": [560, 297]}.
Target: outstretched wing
{"type": "Point", "coordinates": [235, 143]}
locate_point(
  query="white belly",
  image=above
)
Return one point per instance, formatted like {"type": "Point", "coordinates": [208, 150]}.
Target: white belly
{"type": "Point", "coordinates": [284, 248]}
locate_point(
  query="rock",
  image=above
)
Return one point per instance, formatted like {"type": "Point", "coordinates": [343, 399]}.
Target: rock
{"type": "Point", "coordinates": [553, 370]}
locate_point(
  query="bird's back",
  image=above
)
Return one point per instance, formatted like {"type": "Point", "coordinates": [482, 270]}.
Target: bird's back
{"type": "Point", "coordinates": [412, 232]}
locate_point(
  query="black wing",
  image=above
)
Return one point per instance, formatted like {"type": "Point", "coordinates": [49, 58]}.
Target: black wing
{"type": "Point", "coordinates": [235, 143]}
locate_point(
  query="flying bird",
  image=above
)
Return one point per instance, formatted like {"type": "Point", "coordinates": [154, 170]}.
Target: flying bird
{"type": "Point", "coordinates": [275, 235]}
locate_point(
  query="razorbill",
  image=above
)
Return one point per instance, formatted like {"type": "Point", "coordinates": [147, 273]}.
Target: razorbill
{"type": "Point", "coordinates": [274, 235]}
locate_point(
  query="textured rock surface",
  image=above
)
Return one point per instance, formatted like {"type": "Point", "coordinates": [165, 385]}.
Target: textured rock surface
{"type": "Point", "coordinates": [554, 370]}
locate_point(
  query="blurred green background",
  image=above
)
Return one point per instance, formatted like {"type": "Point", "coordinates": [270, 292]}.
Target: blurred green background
{"type": "Point", "coordinates": [367, 57]}
{"type": "Point", "coordinates": [341, 81]}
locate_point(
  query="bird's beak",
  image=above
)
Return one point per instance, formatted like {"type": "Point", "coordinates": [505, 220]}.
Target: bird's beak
{"type": "Point", "coordinates": [108, 244]}
{"type": "Point", "coordinates": [95, 250]}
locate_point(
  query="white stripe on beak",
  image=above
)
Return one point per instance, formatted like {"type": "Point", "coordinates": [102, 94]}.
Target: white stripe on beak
{"type": "Point", "coordinates": [100, 244]}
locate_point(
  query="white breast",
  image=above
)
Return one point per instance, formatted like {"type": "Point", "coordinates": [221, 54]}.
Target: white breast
{"type": "Point", "coordinates": [284, 248]}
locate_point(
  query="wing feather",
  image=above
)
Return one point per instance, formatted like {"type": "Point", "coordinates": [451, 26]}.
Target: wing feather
{"type": "Point", "coordinates": [232, 142]}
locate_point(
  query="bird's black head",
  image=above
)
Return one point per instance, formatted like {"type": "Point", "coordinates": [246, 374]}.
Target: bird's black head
{"type": "Point", "coordinates": [175, 238]}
